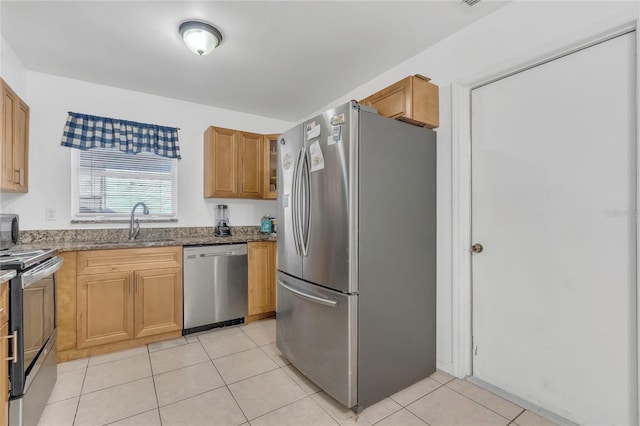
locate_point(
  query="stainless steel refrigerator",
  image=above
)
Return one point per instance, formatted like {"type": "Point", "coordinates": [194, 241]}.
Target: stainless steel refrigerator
{"type": "Point", "coordinates": [356, 281]}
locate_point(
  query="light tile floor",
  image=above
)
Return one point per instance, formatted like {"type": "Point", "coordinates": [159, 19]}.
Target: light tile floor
{"type": "Point", "coordinates": [237, 376]}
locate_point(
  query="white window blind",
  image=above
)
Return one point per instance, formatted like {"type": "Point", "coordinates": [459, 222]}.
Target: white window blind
{"type": "Point", "coordinates": [107, 183]}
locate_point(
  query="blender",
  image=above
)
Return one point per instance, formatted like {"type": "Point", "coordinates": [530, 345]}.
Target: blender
{"type": "Point", "coordinates": [222, 221]}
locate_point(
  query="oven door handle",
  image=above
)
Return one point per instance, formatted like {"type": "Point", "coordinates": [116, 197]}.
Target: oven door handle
{"type": "Point", "coordinates": [41, 271]}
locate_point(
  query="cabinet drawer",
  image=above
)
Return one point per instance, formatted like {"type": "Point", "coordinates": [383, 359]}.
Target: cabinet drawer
{"type": "Point", "coordinates": [123, 260]}
{"type": "Point", "coordinates": [4, 302]}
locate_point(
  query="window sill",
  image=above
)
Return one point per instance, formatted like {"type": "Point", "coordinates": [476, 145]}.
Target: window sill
{"type": "Point", "coordinates": [127, 221]}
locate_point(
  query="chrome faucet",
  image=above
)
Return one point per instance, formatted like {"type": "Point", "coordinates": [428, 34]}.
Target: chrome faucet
{"type": "Point", "coordinates": [133, 231]}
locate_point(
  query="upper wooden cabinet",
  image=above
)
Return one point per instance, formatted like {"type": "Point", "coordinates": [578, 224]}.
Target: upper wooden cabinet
{"type": "Point", "coordinates": [249, 165]}
{"type": "Point", "coordinates": [220, 162]}
{"type": "Point", "coordinates": [14, 143]}
{"type": "Point", "coordinates": [238, 164]}
{"type": "Point", "coordinates": [270, 167]}
{"type": "Point", "coordinates": [413, 99]}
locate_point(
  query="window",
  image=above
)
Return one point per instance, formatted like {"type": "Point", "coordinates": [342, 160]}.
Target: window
{"type": "Point", "coordinates": [106, 184]}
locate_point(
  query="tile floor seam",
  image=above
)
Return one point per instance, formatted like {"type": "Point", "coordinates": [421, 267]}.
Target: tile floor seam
{"type": "Point", "coordinates": [246, 418]}
{"type": "Point", "coordinates": [521, 413]}
{"type": "Point", "coordinates": [113, 386]}
{"type": "Point", "coordinates": [189, 397]}
{"type": "Point", "coordinates": [226, 385]}
{"type": "Point", "coordinates": [75, 414]}
{"type": "Point", "coordinates": [400, 409]}
{"type": "Point", "coordinates": [421, 396]}
{"type": "Point", "coordinates": [325, 410]}
{"type": "Point", "coordinates": [235, 353]}
{"type": "Point", "coordinates": [128, 417]}
{"type": "Point", "coordinates": [255, 375]}
{"type": "Point", "coordinates": [482, 405]}
{"type": "Point", "coordinates": [120, 359]}
{"type": "Point", "coordinates": [155, 391]}
{"type": "Point", "coordinates": [285, 405]}
{"type": "Point", "coordinates": [186, 366]}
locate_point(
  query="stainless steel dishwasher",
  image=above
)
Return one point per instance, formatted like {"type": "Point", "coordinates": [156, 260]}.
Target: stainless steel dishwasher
{"type": "Point", "coordinates": [215, 286]}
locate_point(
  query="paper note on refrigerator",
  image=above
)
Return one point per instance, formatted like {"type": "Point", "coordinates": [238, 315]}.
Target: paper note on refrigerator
{"type": "Point", "coordinates": [317, 159]}
{"type": "Point", "coordinates": [287, 161]}
{"type": "Point", "coordinates": [313, 130]}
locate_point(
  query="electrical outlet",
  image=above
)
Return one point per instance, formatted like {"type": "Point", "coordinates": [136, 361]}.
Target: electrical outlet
{"type": "Point", "coordinates": [50, 213]}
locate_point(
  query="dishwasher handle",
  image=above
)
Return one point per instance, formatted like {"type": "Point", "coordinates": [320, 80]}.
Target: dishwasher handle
{"type": "Point", "coordinates": [230, 253]}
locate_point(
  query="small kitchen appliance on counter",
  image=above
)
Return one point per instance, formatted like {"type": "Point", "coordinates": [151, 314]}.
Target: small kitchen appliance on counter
{"type": "Point", "coordinates": [222, 221]}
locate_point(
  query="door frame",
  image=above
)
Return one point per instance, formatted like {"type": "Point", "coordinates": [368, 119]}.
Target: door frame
{"type": "Point", "coordinates": [461, 273]}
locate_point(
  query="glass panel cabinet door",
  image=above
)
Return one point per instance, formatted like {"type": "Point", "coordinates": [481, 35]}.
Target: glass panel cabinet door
{"type": "Point", "coordinates": [270, 178]}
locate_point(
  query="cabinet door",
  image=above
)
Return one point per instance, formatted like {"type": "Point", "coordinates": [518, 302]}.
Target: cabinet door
{"type": "Point", "coordinates": [21, 148]}
{"type": "Point", "coordinates": [270, 167]}
{"type": "Point", "coordinates": [9, 106]}
{"type": "Point", "coordinates": [413, 99]}
{"type": "Point", "coordinates": [250, 159]}
{"type": "Point", "coordinates": [104, 308]}
{"type": "Point", "coordinates": [393, 101]}
{"type": "Point", "coordinates": [220, 163]}
{"type": "Point", "coordinates": [262, 272]}
{"type": "Point", "coordinates": [4, 374]}
{"type": "Point", "coordinates": [158, 301]}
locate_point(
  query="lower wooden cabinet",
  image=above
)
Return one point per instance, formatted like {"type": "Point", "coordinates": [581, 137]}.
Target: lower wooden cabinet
{"type": "Point", "coordinates": [105, 308]}
{"type": "Point", "coordinates": [158, 301]}
{"type": "Point", "coordinates": [262, 277]}
{"type": "Point", "coordinates": [112, 300]}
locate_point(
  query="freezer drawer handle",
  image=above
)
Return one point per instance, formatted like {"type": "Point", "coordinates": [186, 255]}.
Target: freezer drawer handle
{"type": "Point", "coordinates": [316, 299]}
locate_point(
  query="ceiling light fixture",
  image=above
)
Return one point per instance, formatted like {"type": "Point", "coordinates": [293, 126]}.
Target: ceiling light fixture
{"type": "Point", "coordinates": [200, 38]}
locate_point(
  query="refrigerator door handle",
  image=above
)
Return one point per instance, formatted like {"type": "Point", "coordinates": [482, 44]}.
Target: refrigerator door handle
{"type": "Point", "coordinates": [306, 186]}
{"type": "Point", "coordinates": [295, 205]}
{"type": "Point", "coordinates": [298, 195]}
{"type": "Point", "coordinates": [309, 297]}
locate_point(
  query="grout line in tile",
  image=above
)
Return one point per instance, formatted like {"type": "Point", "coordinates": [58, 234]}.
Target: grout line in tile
{"type": "Point", "coordinates": [400, 409]}
{"type": "Point", "coordinates": [75, 415]}
{"type": "Point", "coordinates": [128, 417]}
{"type": "Point", "coordinates": [226, 385]}
{"type": "Point", "coordinates": [249, 377]}
{"type": "Point", "coordinates": [290, 403]}
{"type": "Point", "coordinates": [516, 417]}
{"type": "Point", "coordinates": [235, 353]}
{"type": "Point", "coordinates": [106, 362]}
{"type": "Point", "coordinates": [422, 396]}
{"type": "Point", "coordinates": [326, 411]}
{"type": "Point", "coordinates": [482, 405]}
{"type": "Point", "coordinates": [119, 384]}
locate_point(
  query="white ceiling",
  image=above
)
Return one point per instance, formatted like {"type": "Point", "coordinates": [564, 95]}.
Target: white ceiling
{"type": "Point", "coordinates": [278, 59]}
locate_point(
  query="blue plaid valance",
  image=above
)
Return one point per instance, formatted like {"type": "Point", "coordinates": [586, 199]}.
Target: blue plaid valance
{"type": "Point", "coordinates": [84, 131]}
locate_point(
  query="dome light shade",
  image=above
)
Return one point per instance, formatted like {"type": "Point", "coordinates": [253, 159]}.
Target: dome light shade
{"type": "Point", "coordinates": [199, 37]}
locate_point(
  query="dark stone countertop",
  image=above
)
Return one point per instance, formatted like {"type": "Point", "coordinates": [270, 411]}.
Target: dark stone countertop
{"type": "Point", "coordinates": [116, 239]}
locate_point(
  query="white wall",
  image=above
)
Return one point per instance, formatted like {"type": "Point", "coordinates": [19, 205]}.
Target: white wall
{"type": "Point", "coordinates": [12, 70]}
{"type": "Point", "coordinates": [51, 97]}
{"type": "Point", "coordinates": [515, 34]}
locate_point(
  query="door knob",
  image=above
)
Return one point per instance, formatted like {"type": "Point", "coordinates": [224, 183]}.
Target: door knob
{"type": "Point", "coordinates": [477, 248]}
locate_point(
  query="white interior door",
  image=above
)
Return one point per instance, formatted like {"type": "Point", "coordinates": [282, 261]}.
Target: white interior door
{"type": "Point", "coordinates": [554, 207]}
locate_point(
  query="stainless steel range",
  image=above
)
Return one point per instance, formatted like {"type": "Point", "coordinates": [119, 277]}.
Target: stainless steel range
{"type": "Point", "coordinates": [32, 328]}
